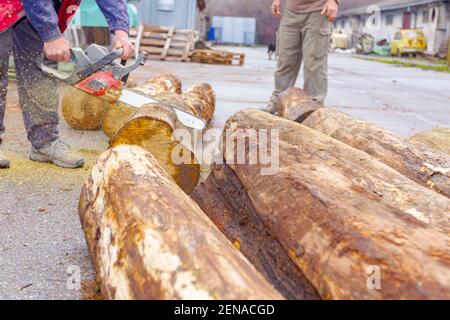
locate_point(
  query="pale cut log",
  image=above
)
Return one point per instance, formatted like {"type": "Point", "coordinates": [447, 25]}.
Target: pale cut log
{"type": "Point", "coordinates": [438, 139]}
{"type": "Point", "coordinates": [426, 166]}
{"type": "Point", "coordinates": [149, 240]}
{"type": "Point", "coordinates": [152, 128]}
{"type": "Point", "coordinates": [82, 111]}
{"type": "Point", "coordinates": [294, 104]}
{"type": "Point", "coordinates": [223, 198]}
{"type": "Point", "coordinates": [335, 228]}
{"type": "Point", "coordinates": [118, 113]}
{"type": "Point", "coordinates": [201, 100]}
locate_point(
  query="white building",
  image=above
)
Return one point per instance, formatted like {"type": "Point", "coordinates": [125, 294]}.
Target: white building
{"type": "Point", "coordinates": [384, 18]}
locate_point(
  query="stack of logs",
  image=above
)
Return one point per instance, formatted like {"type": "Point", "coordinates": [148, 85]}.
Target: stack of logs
{"type": "Point", "coordinates": [352, 211]}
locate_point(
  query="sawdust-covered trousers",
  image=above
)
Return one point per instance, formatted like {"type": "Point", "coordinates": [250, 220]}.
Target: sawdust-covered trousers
{"type": "Point", "coordinates": [303, 37]}
{"type": "Point", "coordinates": [37, 92]}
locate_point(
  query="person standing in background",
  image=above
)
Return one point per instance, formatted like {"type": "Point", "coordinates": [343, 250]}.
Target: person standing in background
{"type": "Point", "coordinates": [304, 37]}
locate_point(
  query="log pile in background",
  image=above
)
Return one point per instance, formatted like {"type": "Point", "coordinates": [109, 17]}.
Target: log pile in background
{"type": "Point", "coordinates": [209, 56]}
{"type": "Point", "coordinates": [152, 127]}
{"type": "Point", "coordinates": [438, 139]}
{"type": "Point", "coordinates": [426, 166]}
{"type": "Point", "coordinates": [149, 240]}
{"type": "Point", "coordinates": [118, 113]}
{"type": "Point", "coordinates": [335, 226]}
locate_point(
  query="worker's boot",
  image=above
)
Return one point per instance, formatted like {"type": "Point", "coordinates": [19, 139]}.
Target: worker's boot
{"type": "Point", "coordinates": [4, 163]}
{"type": "Point", "coordinates": [270, 108]}
{"type": "Point", "coordinates": [58, 153]}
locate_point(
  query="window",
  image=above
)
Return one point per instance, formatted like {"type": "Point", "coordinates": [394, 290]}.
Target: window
{"type": "Point", "coordinates": [166, 5]}
{"type": "Point", "coordinates": [389, 20]}
{"type": "Point", "coordinates": [425, 16]}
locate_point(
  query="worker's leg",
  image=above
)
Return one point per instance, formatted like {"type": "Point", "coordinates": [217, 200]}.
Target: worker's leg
{"type": "Point", "coordinates": [289, 53]}
{"type": "Point", "coordinates": [5, 50]}
{"type": "Point", "coordinates": [39, 100]}
{"type": "Point", "coordinates": [37, 92]}
{"type": "Point", "coordinates": [316, 43]}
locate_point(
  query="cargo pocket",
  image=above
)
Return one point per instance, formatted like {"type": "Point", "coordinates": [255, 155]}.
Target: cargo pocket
{"type": "Point", "coordinates": [323, 42]}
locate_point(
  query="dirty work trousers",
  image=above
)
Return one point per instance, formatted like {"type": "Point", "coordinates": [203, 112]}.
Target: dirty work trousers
{"type": "Point", "coordinates": [303, 37]}
{"type": "Point", "coordinates": [37, 92]}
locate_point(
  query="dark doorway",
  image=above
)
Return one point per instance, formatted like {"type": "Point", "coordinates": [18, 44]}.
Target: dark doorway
{"type": "Point", "coordinates": [407, 19]}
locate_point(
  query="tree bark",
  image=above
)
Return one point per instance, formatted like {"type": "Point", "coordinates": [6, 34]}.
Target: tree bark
{"type": "Point", "coordinates": [83, 111]}
{"type": "Point", "coordinates": [149, 240]}
{"type": "Point", "coordinates": [294, 104]}
{"type": "Point", "coordinates": [338, 228]}
{"type": "Point", "coordinates": [426, 166]}
{"type": "Point", "coordinates": [223, 198]}
{"type": "Point", "coordinates": [438, 139]}
{"type": "Point", "coordinates": [118, 113]}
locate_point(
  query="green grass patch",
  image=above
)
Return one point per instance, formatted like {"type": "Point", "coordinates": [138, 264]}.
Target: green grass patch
{"type": "Point", "coordinates": [439, 67]}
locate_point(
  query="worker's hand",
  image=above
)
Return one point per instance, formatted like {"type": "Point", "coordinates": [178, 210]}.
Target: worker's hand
{"type": "Point", "coordinates": [124, 42]}
{"type": "Point", "coordinates": [57, 50]}
{"type": "Point", "coordinates": [330, 10]}
{"type": "Point", "coordinates": [276, 8]}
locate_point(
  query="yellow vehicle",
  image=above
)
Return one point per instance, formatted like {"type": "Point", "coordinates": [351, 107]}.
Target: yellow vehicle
{"type": "Point", "coordinates": [408, 41]}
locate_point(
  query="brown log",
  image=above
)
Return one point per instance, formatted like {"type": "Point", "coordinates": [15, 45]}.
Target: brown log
{"type": "Point", "coordinates": [438, 139]}
{"type": "Point", "coordinates": [294, 104]}
{"type": "Point", "coordinates": [149, 240]}
{"type": "Point", "coordinates": [336, 227]}
{"type": "Point", "coordinates": [82, 111]}
{"type": "Point", "coordinates": [223, 198]}
{"type": "Point", "coordinates": [118, 113]}
{"type": "Point", "coordinates": [426, 166]}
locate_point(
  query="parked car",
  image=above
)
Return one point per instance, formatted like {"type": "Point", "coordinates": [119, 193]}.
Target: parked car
{"type": "Point", "coordinates": [408, 41]}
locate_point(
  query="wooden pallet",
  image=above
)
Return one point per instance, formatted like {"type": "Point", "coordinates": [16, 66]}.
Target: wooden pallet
{"type": "Point", "coordinates": [164, 43]}
{"type": "Point", "coordinates": [218, 57]}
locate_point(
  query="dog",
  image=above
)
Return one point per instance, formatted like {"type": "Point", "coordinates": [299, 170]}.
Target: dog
{"type": "Point", "coordinates": [272, 49]}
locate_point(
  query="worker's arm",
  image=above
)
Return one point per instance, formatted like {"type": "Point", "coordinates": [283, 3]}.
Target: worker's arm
{"type": "Point", "coordinates": [42, 16]}
{"type": "Point", "coordinates": [116, 14]}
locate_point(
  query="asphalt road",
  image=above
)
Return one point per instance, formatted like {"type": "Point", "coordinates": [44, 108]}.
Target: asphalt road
{"type": "Point", "coordinates": [41, 241]}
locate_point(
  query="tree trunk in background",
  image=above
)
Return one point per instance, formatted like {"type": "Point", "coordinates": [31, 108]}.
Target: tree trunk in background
{"type": "Point", "coordinates": [426, 166]}
{"type": "Point", "coordinates": [223, 198]}
{"type": "Point", "coordinates": [336, 228]}
{"type": "Point", "coordinates": [149, 240]}
{"type": "Point", "coordinates": [294, 104]}
{"type": "Point", "coordinates": [438, 139]}
{"type": "Point", "coordinates": [118, 113]}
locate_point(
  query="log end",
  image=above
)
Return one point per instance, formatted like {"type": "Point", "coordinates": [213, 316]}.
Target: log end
{"type": "Point", "coordinates": [83, 111]}
{"type": "Point", "coordinates": [152, 129]}
{"type": "Point", "coordinates": [294, 104]}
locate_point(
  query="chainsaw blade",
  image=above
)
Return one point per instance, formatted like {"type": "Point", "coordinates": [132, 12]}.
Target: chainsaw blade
{"type": "Point", "coordinates": [138, 100]}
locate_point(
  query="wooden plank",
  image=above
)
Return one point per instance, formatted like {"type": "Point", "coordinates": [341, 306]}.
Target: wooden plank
{"type": "Point", "coordinates": [168, 42]}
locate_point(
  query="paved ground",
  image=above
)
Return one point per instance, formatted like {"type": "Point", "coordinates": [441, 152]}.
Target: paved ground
{"type": "Point", "coordinates": [40, 234]}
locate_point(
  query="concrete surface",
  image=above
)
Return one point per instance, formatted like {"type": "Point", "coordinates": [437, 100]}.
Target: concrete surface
{"type": "Point", "coordinates": [40, 233]}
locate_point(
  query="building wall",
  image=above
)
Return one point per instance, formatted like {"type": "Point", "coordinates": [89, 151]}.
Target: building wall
{"type": "Point", "coordinates": [183, 14]}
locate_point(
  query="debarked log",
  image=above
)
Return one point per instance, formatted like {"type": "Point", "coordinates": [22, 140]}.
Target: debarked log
{"type": "Point", "coordinates": [438, 139]}
{"type": "Point", "coordinates": [341, 230]}
{"type": "Point", "coordinates": [424, 165]}
{"type": "Point", "coordinates": [118, 113]}
{"type": "Point", "coordinates": [294, 104]}
{"type": "Point", "coordinates": [149, 240]}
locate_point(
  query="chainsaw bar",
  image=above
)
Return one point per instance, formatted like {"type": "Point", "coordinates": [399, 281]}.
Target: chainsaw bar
{"type": "Point", "coordinates": [138, 100]}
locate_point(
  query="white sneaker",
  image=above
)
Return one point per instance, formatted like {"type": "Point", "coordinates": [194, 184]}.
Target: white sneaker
{"type": "Point", "coordinates": [58, 153]}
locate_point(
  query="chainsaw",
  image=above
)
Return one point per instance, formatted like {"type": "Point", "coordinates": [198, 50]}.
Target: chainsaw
{"type": "Point", "coordinates": [96, 72]}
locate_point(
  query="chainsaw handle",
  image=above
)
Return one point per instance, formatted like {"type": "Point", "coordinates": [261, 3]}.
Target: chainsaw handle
{"type": "Point", "coordinates": [51, 67]}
